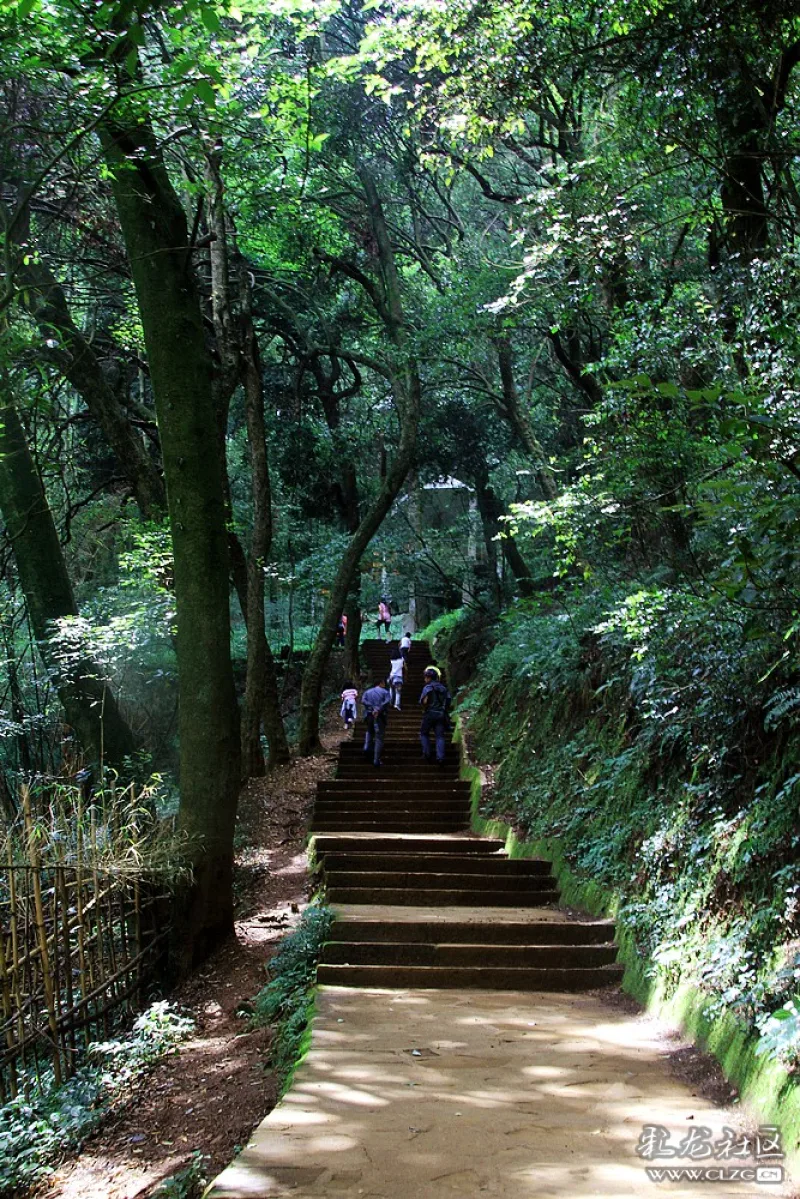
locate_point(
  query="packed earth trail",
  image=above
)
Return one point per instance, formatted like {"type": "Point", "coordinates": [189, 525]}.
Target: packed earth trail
{"type": "Point", "coordinates": [469, 1035]}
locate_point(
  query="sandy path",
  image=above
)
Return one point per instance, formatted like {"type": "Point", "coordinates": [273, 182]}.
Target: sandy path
{"type": "Point", "coordinates": [440, 1093]}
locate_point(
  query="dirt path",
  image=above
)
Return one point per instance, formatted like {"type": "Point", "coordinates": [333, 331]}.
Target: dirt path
{"type": "Point", "coordinates": [453, 1095]}
{"type": "Point", "coordinates": [210, 1096]}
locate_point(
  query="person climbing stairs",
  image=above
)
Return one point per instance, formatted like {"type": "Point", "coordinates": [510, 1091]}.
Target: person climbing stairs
{"type": "Point", "coordinates": [422, 901]}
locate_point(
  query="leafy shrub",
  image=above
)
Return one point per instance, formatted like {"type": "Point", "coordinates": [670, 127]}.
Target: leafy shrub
{"type": "Point", "coordinates": [33, 1133]}
{"type": "Point", "coordinates": [286, 999]}
{"type": "Point", "coordinates": [655, 736]}
{"type": "Point", "coordinates": [186, 1183]}
{"type": "Point", "coordinates": [780, 1034]}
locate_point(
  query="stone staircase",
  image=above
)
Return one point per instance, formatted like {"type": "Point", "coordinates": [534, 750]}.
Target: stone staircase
{"type": "Point", "coordinates": [419, 899]}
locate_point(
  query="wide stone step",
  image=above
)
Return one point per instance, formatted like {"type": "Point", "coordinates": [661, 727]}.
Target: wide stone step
{"type": "Point", "coordinates": [367, 792]}
{"type": "Point", "coordinates": [490, 932]}
{"type": "Point", "coordinates": [385, 796]}
{"type": "Point", "coordinates": [444, 812]}
{"type": "Point", "coordinates": [369, 782]}
{"type": "Point", "coordinates": [402, 800]}
{"type": "Point", "coordinates": [437, 862]}
{"type": "Point", "coordinates": [499, 978]}
{"type": "Point", "coordinates": [329, 824]}
{"type": "Point", "coordinates": [409, 763]}
{"type": "Point", "coordinates": [386, 803]}
{"type": "Point", "coordinates": [413, 822]}
{"type": "Point", "coordinates": [492, 878]}
{"type": "Point", "coordinates": [405, 953]}
{"type": "Point", "coordinates": [464, 845]}
{"type": "Point", "coordinates": [399, 795]}
{"type": "Point", "coordinates": [437, 815]}
{"type": "Point", "coordinates": [393, 753]}
{"type": "Point", "coordinates": [410, 776]}
{"type": "Point", "coordinates": [443, 897]}
{"type": "Point", "coordinates": [409, 812]}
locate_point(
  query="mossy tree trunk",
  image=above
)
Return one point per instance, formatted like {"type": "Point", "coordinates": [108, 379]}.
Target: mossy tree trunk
{"type": "Point", "coordinates": [511, 409]}
{"type": "Point", "coordinates": [89, 704]}
{"type": "Point", "coordinates": [352, 637]}
{"type": "Point", "coordinates": [156, 237]}
{"type": "Point", "coordinates": [77, 361]}
{"type": "Point", "coordinates": [491, 510]}
{"type": "Point", "coordinates": [262, 700]}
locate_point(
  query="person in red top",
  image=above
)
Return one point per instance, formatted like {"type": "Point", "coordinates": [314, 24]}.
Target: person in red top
{"type": "Point", "coordinates": [341, 631]}
{"type": "Point", "coordinates": [384, 619]}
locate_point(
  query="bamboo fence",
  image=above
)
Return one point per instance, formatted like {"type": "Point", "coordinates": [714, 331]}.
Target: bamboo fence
{"type": "Point", "coordinates": [79, 932]}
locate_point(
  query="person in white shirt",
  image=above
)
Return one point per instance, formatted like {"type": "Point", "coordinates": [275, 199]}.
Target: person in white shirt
{"type": "Point", "coordinates": [405, 646]}
{"type": "Point", "coordinates": [397, 671]}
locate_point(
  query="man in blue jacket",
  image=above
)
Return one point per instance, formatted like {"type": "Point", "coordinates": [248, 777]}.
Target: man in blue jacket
{"type": "Point", "coordinates": [376, 710]}
{"type": "Point", "coordinates": [435, 700]}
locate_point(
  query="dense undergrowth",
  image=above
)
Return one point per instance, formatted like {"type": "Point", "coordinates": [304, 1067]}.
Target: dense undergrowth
{"type": "Point", "coordinates": [659, 744]}
{"type": "Point", "coordinates": [38, 1129]}
{"type": "Point", "coordinates": [286, 1000]}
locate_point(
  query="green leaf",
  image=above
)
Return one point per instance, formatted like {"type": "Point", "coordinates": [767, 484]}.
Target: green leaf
{"type": "Point", "coordinates": [210, 18]}
{"type": "Point", "coordinates": [205, 91]}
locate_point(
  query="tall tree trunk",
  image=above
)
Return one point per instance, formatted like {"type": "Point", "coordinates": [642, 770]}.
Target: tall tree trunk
{"type": "Point", "coordinates": [156, 236]}
{"type": "Point", "coordinates": [491, 510]}
{"type": "Point", "coordinates": [89, 705]}
{"type": "Point", "coordinates": [517, 418]}
{"type": "Point", "coordinates": [262, 701]}
{"type": "Point", "coordinates": [406, 391]}
{"type": "Point", "coordinates": [352, 637]}
{"type": "Point", "coordinates": [44, 298]}
{"type": "Point", "coordinates": [490, 529]}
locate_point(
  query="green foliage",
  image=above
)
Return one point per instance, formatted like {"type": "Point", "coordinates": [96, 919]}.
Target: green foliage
{"type": "Point", "coordinates": [643, 731]}
{"type": "Point", "coordinates": [286, 999]}
{"type": "Point", "coordinates": [780, 1034]}
{"type": "Point", "coordinates": [35, 1132]}
{"type": "Point", "coordinates": [443, 624]}
{"type": "Point", "coordinates": [188, 1183]}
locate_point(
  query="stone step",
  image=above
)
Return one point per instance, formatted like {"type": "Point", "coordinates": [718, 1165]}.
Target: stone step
{"type": "Point", "coordinates": [490, 932]}
{"type": "Point", "coordinates": [380, 808]}
{"type": "Point", "coordinates": [328, 824]}
{"type": "Point", "coordinates": [499, 978]}
{"type": "Point", "coordinates": [356, 812]}
{"type": "Point", "coordinates": [399, 822]}
{"type": "Point", "coordinates": [403, 799]}
{"type": "Point", "coordinates": [435, 785]}
{"type": "Point", "coordinates": [440, 863]}
{"type": "Point", "coordinates": [442, 953]}
{"type": "Point", "coordinates": [443, 896]}
{"type": "Point", "coordinates": [392, 752]}
{"type": "Point", "coordinates": [411, 764]}
{"type": "Point", "coordinates": [411, 775]}
{"type": "Point", "coordinates": [400, 728]}
{"type": "Point", "coordinates": [462, 845]}
{"type": "Point", "coordinates": [492, 878]}
{"type": "Point", "coordinates": [370, 781]}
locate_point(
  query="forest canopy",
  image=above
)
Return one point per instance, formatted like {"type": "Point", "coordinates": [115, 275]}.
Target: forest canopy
{"type": "Point", "coordinates": [275, 275]}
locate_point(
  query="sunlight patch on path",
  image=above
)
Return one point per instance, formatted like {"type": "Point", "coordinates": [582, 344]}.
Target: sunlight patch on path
{"type": "Point", "coordinates": [440, 1093]}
